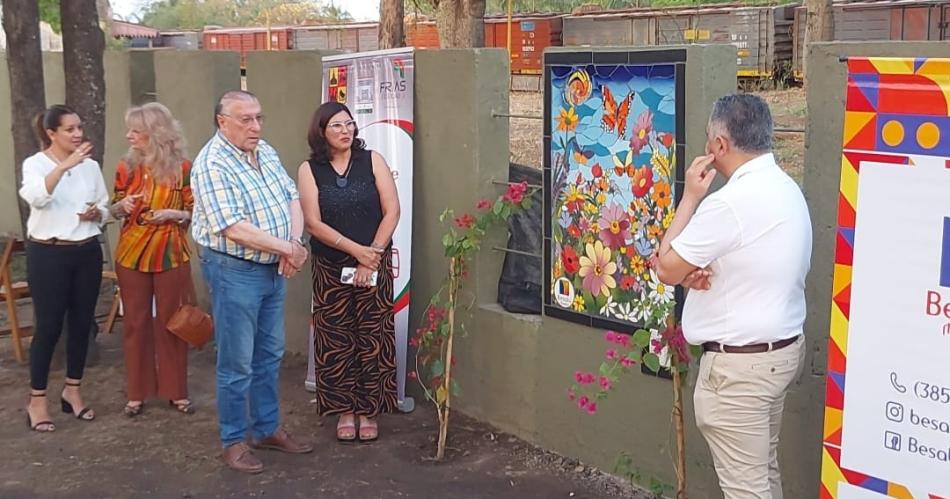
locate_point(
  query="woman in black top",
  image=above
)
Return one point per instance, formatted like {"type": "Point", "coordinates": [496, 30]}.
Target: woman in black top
{"type": "Point", "coordinates": [351, 208]}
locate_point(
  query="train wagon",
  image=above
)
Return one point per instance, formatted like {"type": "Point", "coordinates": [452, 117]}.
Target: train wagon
{"type": "Point", "coordinates": [244, 40]}
{"type": "Point", "coordinates": [422, 34]}
{"type": "Point", "coordinates": [352, 37]}
{"type": "Point", "coordinates": [762, 35]}
{"type": "Point", "coordinates": [530, 35]}
{"type": "Point", "coordinates": [869, 20]}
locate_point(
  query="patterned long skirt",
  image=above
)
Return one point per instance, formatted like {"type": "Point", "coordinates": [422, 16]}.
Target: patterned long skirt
{"type": "Point", "coordinates": [354, 342]}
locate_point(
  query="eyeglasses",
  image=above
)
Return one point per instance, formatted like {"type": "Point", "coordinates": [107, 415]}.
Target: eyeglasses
{"type": "Point", "coordinates": [339, 126]}
{"type": "Point", "coordinates": [246, 121]}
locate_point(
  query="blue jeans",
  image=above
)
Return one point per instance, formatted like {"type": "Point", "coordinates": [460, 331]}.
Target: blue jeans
{"type": "Point", "coordinates": [247, 302]}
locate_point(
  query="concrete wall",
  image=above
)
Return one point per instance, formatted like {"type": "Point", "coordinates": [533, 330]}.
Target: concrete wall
{"type": "Point", "coordinates": [514, 370]}
{"type": "Point", "coordinates": [289, 86]}
{"type": "Point", "coordinates": [116, 65]}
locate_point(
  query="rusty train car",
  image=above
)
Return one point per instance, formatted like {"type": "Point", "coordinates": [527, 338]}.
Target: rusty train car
{"type": "Point", "coordinates": [869, 20]}
{"type": "Point", "coordinates": [769, 39]}
{"type": "Point", "coordinates": [762, 35]}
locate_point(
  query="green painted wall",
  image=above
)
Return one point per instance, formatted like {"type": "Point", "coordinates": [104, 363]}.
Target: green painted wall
{"type": "Point", "coordinates": [514, 370]}
{"type": "Point", "coordinates": [289, 87]}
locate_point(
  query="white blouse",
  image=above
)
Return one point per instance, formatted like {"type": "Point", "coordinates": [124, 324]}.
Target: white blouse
{"type": "Point", "coordinates": [56, 214]}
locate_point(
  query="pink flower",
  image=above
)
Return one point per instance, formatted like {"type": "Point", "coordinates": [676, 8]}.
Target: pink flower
{"type": "Point", "coordinates": [615, 226]}
{"type": "Point", "coordinates": [588, 378]}
{"type": "Point", "coordinates": [611, 354]}
{"type": "Point", "coordinates": [515, 193]}
{"type": "Point", "coordinates": [627, 362]}
{"type": "Point", "coordinates": [465, 221]}
{"type": "Point", "coordinates": [570, 394]}
{"type": "Point", "coordinates": [641, 131]}
{"type": "Point", "coordinates": [673, 337]}
{"type": "Point", "coordinates": [578, 376]}
{"type": "Point", "coordinates": [605, 382]}
{"type": "Point", "coordinates": [592, 408]}
{"type": "Point", "coordinates": [657, 346]}
{"type": "Point", "coordinates": [598, 269]}
{"type": "Point", "coordinates": [483, 204]}
{"type": "Point", "coordinates": [623, 340]}
{"type": "Point", "coordinates": [583, 401]}
{"type": "Point", "coordinates": [610, 336]}
{"type": "Point", "coordinates": [412, 375]}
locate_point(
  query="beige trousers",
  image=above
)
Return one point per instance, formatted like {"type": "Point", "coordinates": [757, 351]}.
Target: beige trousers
{"type": "Point", "coordinates": [738, 402]}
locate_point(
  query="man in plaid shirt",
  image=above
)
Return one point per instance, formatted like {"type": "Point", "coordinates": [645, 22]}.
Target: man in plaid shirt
{"type": "Point", "coordinates": [248, 225]}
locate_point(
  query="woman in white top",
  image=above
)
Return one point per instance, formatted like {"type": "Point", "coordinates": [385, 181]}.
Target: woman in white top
{"type": "Point", "coordinates": [68, 203]}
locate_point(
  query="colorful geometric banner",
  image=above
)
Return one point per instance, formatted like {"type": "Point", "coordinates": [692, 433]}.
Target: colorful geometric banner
{"type": "Point", "coordinates": [888, 434]}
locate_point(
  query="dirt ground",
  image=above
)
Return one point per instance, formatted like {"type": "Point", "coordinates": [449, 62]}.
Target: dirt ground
{"type": "Point", "coordinates": [165, 454]}
{"type": "Point", "coordinates": [788, 109]}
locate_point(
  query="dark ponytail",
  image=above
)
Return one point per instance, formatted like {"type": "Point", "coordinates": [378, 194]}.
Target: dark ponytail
{"type": "Point", "coordinates": [50, 119]}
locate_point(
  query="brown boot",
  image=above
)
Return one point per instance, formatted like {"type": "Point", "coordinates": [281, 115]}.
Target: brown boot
{"type": "Point", "coordinates": [282, 441]}
{"type": "Point", "coordinates": [239, 457]}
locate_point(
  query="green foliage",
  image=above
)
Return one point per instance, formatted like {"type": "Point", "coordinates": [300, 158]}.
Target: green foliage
{"type": "Point", "coordinates": [625, 468]}
{"type": "Point", "coordinates": [196, 14]}
{"type": "Point", "coordinates": [49, 13]}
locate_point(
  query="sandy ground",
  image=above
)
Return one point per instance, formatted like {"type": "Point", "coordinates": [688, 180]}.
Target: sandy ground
{"type": "Point", "coordinates": [165, 454]}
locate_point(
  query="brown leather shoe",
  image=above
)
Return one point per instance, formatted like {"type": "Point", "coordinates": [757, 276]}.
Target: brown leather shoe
{"type": "Point", "coordinates": [239, 457]}
{"type": "Point", "coordinates": [282, 441]}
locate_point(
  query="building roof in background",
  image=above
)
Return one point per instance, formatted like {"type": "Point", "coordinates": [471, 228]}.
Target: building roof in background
{"type": "Point", "coordinates": [125, 29]}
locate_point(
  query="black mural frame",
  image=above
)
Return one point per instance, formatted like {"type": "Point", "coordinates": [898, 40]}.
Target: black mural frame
{"type": "Point", "coordinates": [677, 57]}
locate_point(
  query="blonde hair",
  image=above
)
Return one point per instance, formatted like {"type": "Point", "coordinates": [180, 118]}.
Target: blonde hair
{"type": "Point", "coordinates": [165, 150]}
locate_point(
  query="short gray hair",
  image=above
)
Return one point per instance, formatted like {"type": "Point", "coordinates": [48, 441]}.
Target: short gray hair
{"type": "Point", "coordinates": [746, 119]}
{"type": "Point", "coordinates": [231, 95]}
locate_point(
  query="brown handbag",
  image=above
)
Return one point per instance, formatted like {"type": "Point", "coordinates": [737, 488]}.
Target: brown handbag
{"type": "Point", "coordinates": [190, 323]}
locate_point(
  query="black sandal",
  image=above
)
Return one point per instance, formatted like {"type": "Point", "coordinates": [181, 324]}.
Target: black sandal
{"type": "Point", "coordinates": [133, 410]}
{"type": "Point", "coordinates": [47, 426]}
{"type": "Point", "coordinates": [184, 407]}
{"type": "Point", "coordinates": [68, 408]}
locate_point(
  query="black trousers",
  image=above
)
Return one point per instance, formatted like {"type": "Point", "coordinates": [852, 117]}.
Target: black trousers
{"type": "Point", "coordinates": [64, 282]}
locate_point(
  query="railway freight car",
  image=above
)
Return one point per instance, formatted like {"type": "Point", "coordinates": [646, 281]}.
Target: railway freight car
{"type": "Point", "coordinates": [352, 37]}
{"type": "Point", "coordinates": [244, 40]}
{"type": "Point", "coordinates": [762, 35]}
{"type": "Point", "coordinates": [868, 20]}
{"type": "Point", "coordinates": [530, 35]}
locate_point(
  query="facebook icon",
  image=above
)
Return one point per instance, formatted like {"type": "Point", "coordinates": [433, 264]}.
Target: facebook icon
{"type": "Point", "coordinates": [945, 259]}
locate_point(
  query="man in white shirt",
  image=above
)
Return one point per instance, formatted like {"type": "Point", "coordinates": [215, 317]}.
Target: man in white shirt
{"type": "Point", "coordinates": [744, 251]}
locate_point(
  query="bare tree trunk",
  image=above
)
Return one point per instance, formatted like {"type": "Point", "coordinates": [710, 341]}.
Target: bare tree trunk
{"type": "Point", "coordinates": [83, 48]}
{"type": "Point", "coordinates": [391, 32]}
{"type": "Point", "coordinates": [21, 23]}
{"type": "Point", "coordinates": [819, 27]}
{"type": "Point", "coordinates": [461, 23]}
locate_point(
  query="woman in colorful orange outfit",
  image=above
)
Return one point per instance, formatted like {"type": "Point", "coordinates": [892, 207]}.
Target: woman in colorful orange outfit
{"type": "Point", "coordinates": [153, 196]}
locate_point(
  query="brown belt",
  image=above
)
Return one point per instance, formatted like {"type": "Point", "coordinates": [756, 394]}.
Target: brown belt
{"type": "Point", "coordinates": [62, 242]}
{"type": "Point", "coordinates": [712, 346]}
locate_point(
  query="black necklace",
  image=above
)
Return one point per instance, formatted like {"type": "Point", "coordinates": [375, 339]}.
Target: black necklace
{"type": "Point", "coordinates": [342, 180]}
